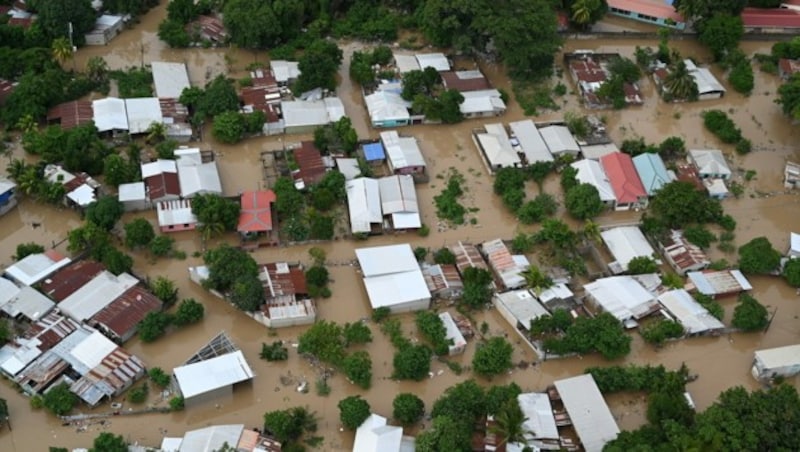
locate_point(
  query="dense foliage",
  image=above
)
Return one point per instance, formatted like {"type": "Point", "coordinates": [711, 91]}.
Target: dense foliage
{"type": "Point", "coordinates": [603, 333]}
{"type": "Point", "coordinates": [353, 411]}
{"type": "Point", "coordinates": [749, 314]}
{"type": "Point", "coordinates": [659, 331]}
{"type": "Point", "coordinates": [583, 202]}
{"type": "Point", "coordinates": [433, 330]}
{"type": "Point", "coordinates": [59, 400]}
{"type": "Point", "coordinates": [492, 357]}
{"type": "Point", "coordinates": [287, 426]}
{"type": "Point", "coordinates": [758, 256]}
{"type": "Point", "coordinates": [274, 352]}
{"type": "Point", "coordinates": [407, 408]}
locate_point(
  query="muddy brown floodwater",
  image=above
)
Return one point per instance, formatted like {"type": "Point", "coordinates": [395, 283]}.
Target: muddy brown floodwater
{"type": "Point", "coordinates": [720, 362]}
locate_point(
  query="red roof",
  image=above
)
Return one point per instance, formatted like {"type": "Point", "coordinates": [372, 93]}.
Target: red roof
{"type": "Point", "coordinates": [71, 114]}
{"type": "Point", "coordinates": [283, 280]}
{"type": "Point", "coordinates": [160, 185]}
{"type": "Point", "coordinates": [256, 213]}
{"type": "Point", "coordinates": [69, 279]}
{"type": "Point", "coordinates": [309, 160]}
{"type": "Point", "coordinates": [23, 22]}
{"type": "Point", "coordinates": [788, 67]}
{"type": "Point", "coordinates": [124, 314]}
{"type": "Point", "coordinates": [211, 27]}
{"type": "Point", "coordinates": [623, 177]}
{"type": "Point", "coordinates": [656, 8]}
{"type": "Point", "coordinates": [263, 78]}
{"type": "Point", "coordinates": [770, 18]}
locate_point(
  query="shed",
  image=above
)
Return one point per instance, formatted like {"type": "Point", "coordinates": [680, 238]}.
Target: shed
{"type": "Point", "coordinates": [373, 153]}
{"type": "Point", "coordinates": [776, 362]}
{"type": "Point", "coordinates": [791, 175]}
{"type": "Point", "coordinates": [310, 168]}
{"type": "Point", "coordinates": [28, 304]}
{"type": "Point", "coordinates": [621, 173]}
{"type": "Point", "coordinates": [109, 115]}
{"type": "Point", "coordinates": [36, 267]}
{"type": "Point", "coordinates": [387, 109]}
{"type": "Point", "coordinates": [559, 140]}
{"type": "Point", "coordinates": [626, 243]}
{"type": "Point", "coordinates": [694, 318]}
{"type": "Point", "coordinates": [106, 27]}
{"type": "Point", "coordinates": [710, 163]}
{"type": "Point", "coordinates": [95, 295]}
{"type": "Point", "coordinates": [176, 215]}
{"type": "Point", "coordinates": [435, 60]}
{"type": "Point", "coordinates": [120, 319]}
{"type": "Point", "coordinates": [588, 411]}
{"type": "Point", "coordinates": [213, 376]}
{"type": "Point", "coordinates": [399, 201]}
{"type": "Point", "coordinates": [169, 79]}
{"type": "Point", "coordinates": [519, 308]}
{"type": "Point", "coordinates": [716, 188]}
{"type": "Point", "coordinates": [591, 172]}
{"type": "Point", "coordinates": [652, 172]}
{"type": "Point", "coordinates": [708, 87]}
{"type": "Point", "coordinates": [621, 296]}
{"type": "Point", "coordinates": [529, 141]}
{"type": "Point", "coordinates": [393, 278]}
{"type": "Point", "coordinates": [682, 255]}
{"type": "Point", "coordinates": [495, 146]}
{"type": "Point", "coordinates": [443, 280]}
{"type": "Point", "coordinates": [718, 282]}
{"type": "Point", "coordinates": [255, 215]}
{"type": "Point", "coordinates": [554, 294]}
{"type": "Point", "coordinates": [364, 205]}
{"type": "Point", "coordinates": [161, 180]}
{"type": "Point", "coordinates": [285, 72]}
{"type": "Point", "coordinates": [482, 104]}
{"type": "Point", "coordinates": [458, 343]}
{"type": "Point", "coordinates": [133, 196]}
{"type": "Point", "coordinates": [406, 63]}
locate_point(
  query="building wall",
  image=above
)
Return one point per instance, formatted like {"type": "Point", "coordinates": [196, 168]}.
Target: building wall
{"type": "Point", "coordinates": [178, 227]}
{"type": "Point", "coordinates": [9, 204]}
{"type": "Point", "coordinates": [711, 95]}
{"type": "Point", "coordinates": [390, 123]}
{"type": "Point", "coordinates": [216, 395]}
{"type": "Point", "coordinates": [300, 129]}
{"type": "Point", "coordinates": [133, 206]}
{"type": "Point", "coordinates": [760, 373]}
{"type": "Point", "coordinates": [411, 306]}
{"type": "Point", "coordinates": [281, 323]}
{"type": "Point", "coordinates": [646, 19]}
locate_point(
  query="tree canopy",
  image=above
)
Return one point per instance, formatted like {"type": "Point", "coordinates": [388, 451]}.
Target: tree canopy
{"type": "Point", "coordinates": [493, 357]}
{"type": "Point", "coordinates": [789, 97]}
{"type": "Point", "coordinates": [679, 203]}
{"type": "Point", "coordinates": [59, 399]}
{"type": "Point", "coordinates": [758, 256]}
{"type": "Point", "coordinates": [407, 408]}
{"type": "Point", "coordinates": [583, 201]}
{"type": "Point", "coordinates": [105, 212]}
{"type": "Point", "coordinates": [55, 17]}
{"type": "Point", "coordinates": [749, 314]}
{"type": "Point", "coordinates": [109, 442]}
{"type": "Point", "coordinates": [353, 411]}
{"type": "Point", "coordinates": [138, 233]}
{"type": "Point", "coordinates": [318, 66]}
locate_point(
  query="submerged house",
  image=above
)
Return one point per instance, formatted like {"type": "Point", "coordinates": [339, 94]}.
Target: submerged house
{"type": "Point", "coordinates": [682, 255]}
{"type": "Point", "coordinates": [398, 198]}
{"type": "Point", "coordinates": [694, 318]}
{"type": "Point", "coordinates": [255, 216]}
{"type": "Point", "coordinates": [507, 267]}
{"type": "Point", "coordinates": [776, 362]}
{"type": "Point", "coordinates": [404, 156]}
{"type": "Point", "coordinates": [590, 172]}
{"type": "Point", "coordinates": [364, 206]}
{"type": "Point", "coordinates": [286, 298]}
{"type": "Point", "coordinates": [36, 267]}
{"type": "Point", "coordinates": [656, 12]}
{"type": "Point", "coordinates": [621, 296]}
{"type": "Point", "coordinates": [628, 189]}
{"type": "Point", "coordinates": [443, 281]}
{"type": "Point", "coordinates": [588, 412]}
{"type": "Point", "coordinates": [8, 195]}
{"type": "Point", "coordinates": [710, 164]}
{"type": "Point", "coordinates": [716, 283]}
{"type": "Point", "coordinates": [519, 308]}
{"type": "Point", "coordinates": [708, 87]}
{"type": "Point", "coordinates": [495, 147]}
{"type": "Point", "coordinates": [393, 278]}
{"type": "Point", "coordinates": [652, 172]}
{"type": "Point", "coordinates": [626, 243]}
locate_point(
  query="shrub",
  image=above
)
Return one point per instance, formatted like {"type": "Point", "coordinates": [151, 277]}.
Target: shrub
{"type": "Point", "coordinates": [749, 314]}
{"type": "Point", "coordinates": [274, 352]}
{"type": "Point", "coordinates": [139, 394]}
{"type": "Point", "coordinates": [642, 264]}
{"type": "Point", "coordinates": [657, 332]}
{"type": "Point", "coordinates": [718, 123]}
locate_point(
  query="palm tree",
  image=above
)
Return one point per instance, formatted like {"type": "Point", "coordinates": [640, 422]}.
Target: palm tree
{"type": "Point", "coordinates": [509, 424]}
{"type": "Point", "coordinates": [679, 83]}
{"type": "Point", "coordinates": [591, 231]}
{"type": "Point", "coordinates": [97, 69]}
{"type": "Point", "coordinates": [26, 123]}
{"type": "Point", "coordinates": [28, 181]}
{"type": "Point", "coordinates": [583, 10]}
{"type": "Point", "coordinates": [156, 132]}
{"type": "Point", "coordinates": [62, 49]}
{"type": "Point", "coordinates": [16, 168]}
{"type": "Point", "coordinates": [210, 230]}
{"type": "Point", "coordinates": [536, 279]}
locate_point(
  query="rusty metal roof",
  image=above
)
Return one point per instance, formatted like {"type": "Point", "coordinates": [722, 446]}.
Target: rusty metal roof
{"type": "Point", "coordinates": [69, 279]}
{"type": "Point", "coordinates": [281, 279]}
{"type": "Point", "coordinates": [71, 114]}
{"type": "Point", "coordinates": [162, 184]}
{"type": "Point", "coordinates": [50, 330]}
{"type": "Point", "coordinates": [309, 160]}
{"type": "Point", "coordinates": [124, 314]}
{"type": "Point", "coordinates": [467, 255]}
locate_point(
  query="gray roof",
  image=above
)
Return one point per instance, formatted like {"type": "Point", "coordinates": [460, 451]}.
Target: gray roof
{"type": "Point", "coordinates": [402, 152]}
{"type": "Point", "coordinates": [133, 191]}
{"type": "Point", "coordinates": [211, 438]}
{"type": "Point", "coordinates": [387, 106]}
{"type": "Point", "coordinates": [435, 60]}
{"type": "Point", "coordinates": [704, 79]}
{"type": "Point", "coordinates": [531, 142]}
{"type": "Point", "coordinates": [170, 79]}
{"type": "Point", "coordinates": [522, 306]}
{"type": "Point", "coordinates": [588, 411]}
{"type": "Point", "coordinates": [482, 101]}
{"type": "Point", "coordinates": [719, 282]}
{"type": "Point", "coordinates": [283, 70]}
{"type": "Point", "coordinates": [298, 113]}
{"type": "Point", "coordinates": [559, 139]}
{"type": "Point", "coordinates": [710, 161]}
{"type": "Point", "coordinates": [775, 358]}
{"type": "Point", "coordinates": [96, 295]}
{"type": "Point", "coordinates": [689, 313]}
{"type": "Point", "coordinates": [29, 303]}
{"type": "Point", "coordinates": [211, 374]}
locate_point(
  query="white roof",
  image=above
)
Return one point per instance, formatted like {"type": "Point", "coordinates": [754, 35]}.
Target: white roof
{"type": "Point", "coordinates": [96, 295]}
{"type": "Point", "coordinates": [716, 187]}
{"type": "Point", "coordinates": [435, 60]}
{"type": "Point", "coordinates": [482, 101]}
{"type": "Point", "coordinates": [689, 313]}
{"type": "Point", "coordinates": [34, 268]}
{"type": "Point", "coordinates": [170, 79]}
{"type": "Point", "coordinates": [558, 291]}
{"type": "Point", "coordinates": [626, 243]}
{"type": "Point", "coordinates": [175, 212]}
{"type": "Point", "coordinates": [16, 355]}
{"type": "Point", "coordinates": [406, 63]}
{"type": "Point", "coordinates": [284, 70]}
{"type": "Point", "coordinates": [710, 161]}
{"type": "Point", "coordinates": [56, 173]}
{"type": "Point", "coordinates": [158, 167]}
{"type": "Point", "coordinates": [704, 79]}
{"type": "Point", "coordinates": [452, 330]}
{"type": "Point", "coordinates": [497, 147]}
{"type": "Point", "coordinates": [83, 195]}
{"type": "Point", "coordinates": [719, 282]}
{"type": "Point", "coordinates": [559, 139]}
{"type": "Point", "coordinates": [6, 185]}
{"type": "Point", "coordinates": [194, 176]}
{"type": "Point", "coordinates": [8, 290]}
{"type": "Point", "coordinates": [335, 108]}
{"type": "Point", "coordinates": [107, 20]}
{"type": "Point", "coordinates": [591, 172]}
{"type": "Point", "coordinates": [794, 244]}
{"type": "Point", "coordinates": [171, 444]}
{"type": "Point", "coordinates": [402, 152]}
{"type": "Point", "coordinates": [29, 303]}
{"type": "Point", "coordinates": [392, 275]}
{"type": "Point", "coordinates": [386, 260]}
{"type": "Point", "coordinates": [208, 439]}
{"type": "Point", "coordinates": [131, 192]}
{"type": "Point", "coordinates": [387, 106]}
{"type": "Point", "coordinates": [621, 296]}
{"type": "Point", "coordinates": [348, 167]}
{"type": "Point", "coordinates": [298, 113]}
{"type": "Point", "coordinates": [218, 372]}
{"type": "Point", "coordinates": [531, 142]}
{"type": "Point", "coordinates": [93, 349]}
{"type": "Point", "coordinates": [398, 194]}
{"type": "Point", "coordinates": [539, 413]}
{"type": "Point", "coordinates": [588, 411]}
{"type": "Point", "coordinates": [142, 112]}
{"type": "Point", "coordinates": [522, 305]}
{"type": "Point", "coordinates": [363, 203]}
{"type": "Point", "coordinates": [775, 358]}
{"type": "Point", "coordinates": [373, 435]}
{"type": "Point", "coordinates": [595, 151]}
{"type": "Point", "coordinates": [109, 114]}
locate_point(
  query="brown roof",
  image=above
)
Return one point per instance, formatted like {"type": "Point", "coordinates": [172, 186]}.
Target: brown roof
{"type": "Point", "coordinates": [770, 18]}
{"type": "Point", "coordinates": [210, 27]}
{"type": "Point", "coordinates": [467, 256]}
{"type": "Point", "coordinates": [124, 314]}
{"type": "Point", "coordinates": [160, 185]}
{"type": "Point", "coordinates": [788, 67]}
{"type": "Point", "coordinates": [587, 70]}
{"type": "Point", "coordinates": [77, 181]}
{"type": "Point", "coordinates": [688, 173]}
{"type": "Point", "coordinates": [6, 88]}
{"type": "Point", "coordinates": [684, 254]}
{"type": "Point", "coordinates": [50, 330]}
{"type": "Point", "coordinates": [263, 78]}
{"type": "Point", "coordinates": [309, 160]}
{"type": "Point", "coordinates": [69, 279]}
{"type": "Point", "coordinates": [171, 108]}
{"type": "Point", "coordinates": [465, 80]}
{"type": "Point", "coordinates": [281, 279]}
{"type": "Point", "coordinates": [71, 114]}
{"type": "Point", "coordinates": [256, 96]}
{"type": "Point", "coordinates": [23, 22]}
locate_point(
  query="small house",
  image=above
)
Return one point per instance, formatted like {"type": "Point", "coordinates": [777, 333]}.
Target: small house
{"type": "Point", "coordinates": [69, 279]}
{"type": "Point", "coordinates": [208, 28]}
{"type": "Point", "coordinates": [387, 108]}
{"type": "Point", "coordinates": [305, 116]}
{"type": "Point", "coordinates": [27, 305]}
{"type": "Point", "coordinates": [467, 256]}
{"type": "Point", "coordinates": [621, 296]}
{"type": "Point", "coordinates": [540, 423]}
{"type": "Point", "coordinates": [590, 172]}
{"type": "Point", "coordinates": [404, 155]}
{"type": "Point", "coordinates": [648, 11]}
{"type": "Point", "coordinates": [628, 189]}
{"type": "Point", "coordinates": [443, 281]}
{"type": "Point", "coordinates": [310, 167]}
{"type": "Point", "coordinates": [652, 172]}
{"type": "Point", "coordinates": [196, 175]}
{"type": "Point", "coordinates": [794, 246]}
{"type": "Point", "coordinates": [40, 337]}
{"type": "Point", "coordinates": [559, 140]}
{"type": "Point", "coordinates": [161, 181]}
{"type": "Point", "coordinates": [285, 72]}
{"type": "Point", "coordinates": [373, 153]}
{"type": "Point", "coordinates": [716, 188]}
{"type": "Point", "coordinates": [519, 308]}
{"type": "Point", "coordinates": [81, 190]}
{"type": "Point", "coordinates": [286, 297]}
{"type": "Point", "coordinates": [787, 68]}
{"type": "Point", "coordinates": [364, 206]}
{"type": "Point", "coordinates": [71, 114]}
{"type": "Point", "coordinates": [625, 244]}
{"type": "Point", "coordinates": [507, 268]}
{"type": "Point", "coordinates": [682, 255]}
{"type": "Point", "coordinates": [399, 202]}
{"type": "Point", "coordinates": [169, 79]}
{"type": "Point", "coordinates": [457, 342]}
{"type": "Point", "coordinates": [716, 283]}
{"type": "Point", "coordinates": [464, 81]}
{"type": "Point", "coordinates": [596, 151]}
{"type": "Point", "coordinates": [375, 435]}
{"type": "Point", "coordinates": [393, 278]}
{"type": "Point", "coordinates": [106, 28]}
{"type": "Point", "coordinates": [776, 362]}
{"type": "Point", "coordinates": [526, 136]}
{"type": "Point", "coordinates": [95, 295]}
{"type": "Point", "coordinates": [133, 196]}
{"type": "Point", "coordinates": [119, 320]}
{"type": "Point", "coordinates": [405, 62]}
{"type": "Point", "coordinates": [482, 104]}
{"type": "Point", "coordinates": [710, 163]}
{"type": "Point", "coordinates": [176, 215]}
{"type": "Point", "coordinates": [110, 116]}
{"type": "Point", "coordinates": [255, 215]}
{"type": "Point", "coordinates": [436, 60]}
{"type": "Point", "coordinates": [587, 410]}
{"type": "Point", "coordinates": [771, 20]}
{"type": "Point", "coordinates": [8, 195]}
{"type": "Point", "coordinates": [495, 147]}
{"type": "Point", "coordinates": [694, 318]}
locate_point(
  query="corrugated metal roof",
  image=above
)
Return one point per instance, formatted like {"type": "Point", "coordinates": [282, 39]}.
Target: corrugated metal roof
{"type": "Point", "coordinates": [775, 358]}
{"type": "Point", "coordinates": [109, 114]}
{"type": "Point", "coordinates": [590, 172]}
{"type": "Point", "coordinates": [402, 152]}
{"type": "Point", "coordinates": [170, 79]}
{"type": "Point", "coordinates": [540, 422]}
{"type": "Point", "coordinates": [483, 101]}
{"type": "Point", "coordinates": [284, 71]}
{"type": "Point", "coordinates": [694, 318]}
{"type": "Point", "coordinates": [124, 313]}
{"type": "Point", "coordinates": [720, 282]}
{"type": "Point", "coordinates": [621, 296]}
{"type": "Point", "coordinates": [96, 294]}
{"type": "Point", "coordinates": [309, 160]}
{"type": "Point", "coordinates": [398, 194]}
{"type": "Point", "coordinates": [256, 211]}
{"type": "Point", "coordinates": [71, 114]}
{"type": "Point", "coordinates": [627, 243]}
{"type": "Point", "coordinates": [465, 80]}
{"type": "Point", "coordinates": [559, 140]}
{"type": "Point", "coordinates": [652, 172]}
{"type": "Point", "coordinates": [36, 267]}
{"type": "Point", "coordinates": [467, 256]}
{"type": "Point", "coordinates": [507, 266]}
{"type": "Point", "coordinates": [770, 18]}
{"type": "Point", "coordinates": [435, 60]}
{"type": "Point", "coordinates": [214, 373]}
{"type": "Point", "coordinates": [281, 279]}
{"type": "Point", "coordinates": [66, 281]}
{"type": "Point", "coordinates": [522, 305]}
{"type": "Point", "coordinates": [364, 204]}
{"type": "Point", "coordinates": [531, 142]}
{"type": "Point", "coordinates": [29, 303]}
{"type": "Point", "coordinates": [142, 112]}
{"type": "Point", "coordinates": [588, 411]}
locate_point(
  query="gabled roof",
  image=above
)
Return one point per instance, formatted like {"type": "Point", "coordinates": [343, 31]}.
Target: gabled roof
{"type": "Point", "coordinates": [473, 80]}
{"type": "Point", "coordinates": [385, 105]}
{"type": "Point", "coordinates": [131, 192]}
{"type": "Point", "coordinates": [559, 139]}
{"type": "Point", "coordinates": [507, 266]}
{"type": "Point", "coordinates": [770, 18]}
{"type": "Point", "coordinates": [385, 260]}
{"type": "Point", "coordinates": [374, 435]}
{"type": "Point", "coordinates": [690, 314]}
{"type": "Point", "coordinates": [298, 113]}
{"type": "Point", "coordinates": [652, 171]}
{"type": "Point", "coordinates": [590, 172]}
{"type": "Point", "coordinates": [256, 212]}
{"type": "Point", "coordinates": [71, 114]}
{"type": "Point", "coordinates": [114, 369]}
{"type": "Point", "coordinates": [588, 411]}
{"type": "Point", "coordinates": [161, 179]}
{"type": "Point", "coordinates": [704, 79]}
{"type": "Point", "coordinates": [40, 337]}
{"type": "Point", "coordinates": [124, 313]}
{"type": "Point", "coordinates": [531, 141]}
{"type": "Point", "coordinates": [209, 439]}
{"type": "Point", "coordinates": [96, 295]}
{"type": "Point", "coordinates": [142, 112]}
{"type": "Point", "coordinates": [284, 70]}
{"type": "Point", "coordinates": [467, 256]}
{"type": "Point", "coordinates": [214, 373]}
{"type": "Point", "coordinates": [627, 243]}
{"type": "Point", "coordinates": [109, 114]}
{"type": "Point", "coordinates": [195, 176]}
{"type": "Point", "coordinates": [435, 60]}
{"type": "Point", "coordinates": [654, 8]}
{"type": "Point", "coordinates": [406, 63]}
{"type": "Point", "coordinates": [8, 290]}
{"type": "Point", "coordinates": [399, 199]}
{"type": "Point", "coordinates": [310, 164]}
{"type": "Point", "coordinates": [169, 79]}
{"type": "Point", "coordinates": [402, 152]}
{"type": "Point", "coordinates": [719, 282]}
{"type": "Point", "coordinates": [540, 422]}
{"type": "Point", "coordinates": [364, 204]}
{"type": "Point", "coordinates": [497, 146]}
{"type": "Point", "coordinates": [710, 161]}
{"type": "Point", "coordinates": [29, 303]}
{"type": "Point", "coordinates": [621, 296]}
{"type": "Point", "coordinates": [69, 279]}
{"type": "Point", "coordinates": [482, 101]}
{"type": "Point", "coordinates": [36, 267]}
{"type": "Point", "coordinates": [623, 178]}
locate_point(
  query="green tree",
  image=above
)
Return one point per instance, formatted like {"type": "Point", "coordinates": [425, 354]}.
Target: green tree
{"type": "Point", "coordinates": [274, 352]}
{"type": "Point", "coordinates": [188, 312]}
{"type": "Point", "coordinates": [789, 97]}
{"type": "Point", "coordinates": [252, 24]}
{"type": "Point", "coordinates": [477, 291]}
{"type": "Point", "coordinates": [525, 35]}
{"type": "Point", "coordinates": [173, 33]}
{"type": "Point", "coordinates": [159, 377]}
{"type": "Point", "coordinates": [353, 411]}
{"type": "Point", "coordinates": [62, 49]}
{"type": "Point", "coordinates": [407, 408]}
{"type": "Point", "coordinates": [557, 233]}
{"type": "Point", "coordinates": [317, 275]}
{"type": "Point", "coordinates": [105, 212]}
{"type": "Point", "coordinates": [791, 271]}
{"type": "Point", "coordinates": [465, 401]}
{"type": "Point", "coordinates": [218, 97]}
{"type": "Point", "coordinates": [318, 66]}
{"type": "Point", "coordinates": [538, 209]}
{"type": "Point", "coordinates": [493, 357]}
{"type": "Point", "coordinates": [109, 442]}
{"type": "Point", "coordinates": [356, 333]}
{"type": "Point", "coordinates": [721, 33]}
{"type": "Point", "coordinates": [499, 395]}
{"type": "Point", "coordinates": [432, 328]}
{"type": "Point", "coordinates": [55, 17]}
{"type": "Point", "coordinates": [139, 233]}
{"type": "Point", "coordinates": [26, 249]}
{"type": "Point", "coordinates": [680, 203]}
{"type": "Point", "coordinates": [699, 235]}
{"type": "Point", "coordinates": [536, 279]}
{"type": "Point", "coordinates": [247, 294]}
{"type": "Point", "coordinates": [226, 265]}
{"type": "Point", "coordinates": [679, 83]}
{"type": "Point", "coordinates": [587, 12]}
{"type": "Point", "coordinates": [509, 424]}
{"type": "Point", "coordinates": [412, 363]}
{"type": "Point", "coordinates": [117, 170]}
{"type": "Point", "coordinates": [640, 265]}
{"type": "Point", "coordinates": [153, 326]}
{"type": "Point", "coordinates": [289, 425]}
{"type": "Point", "coordinates": [183, 11]}
{"type": "Point", "coordinates": [165, 289]}
{"type": "Point", "coordinates": [161, 245]}
{"type": "Point", "coordinates": [701, 10]}
{"type": "Point", "coordinates": [741, 76]}
{"type": "Point", "coordinates": [758, 256]}
{"type": "Point", "coordinates": [115, 260]}
{"type": "Point", "coordinates": [138, 394]}
{"type": "Point", "coordinates": [323, 340]}
{"type": "Point", "coordinates": [749, 314]}
{"type": "Point", "coordinates": [583, 201]}
{"type": "Point", "coordinates": [444, 256]}
{"type": "Point", "coordinates": [228, 127]}
{"type": "Point", "coordinates": [358, 368]}
{"type": "Point", "coordinates": [446, 433]}
{"type": "Point", "coordinates": [672, 147]}
{"type": "Point", "coordinates": [216, 212]}
{"type": "Point", "coordinates": [59, 400]}
{"type": "Point", "coordinates": [321, 226]}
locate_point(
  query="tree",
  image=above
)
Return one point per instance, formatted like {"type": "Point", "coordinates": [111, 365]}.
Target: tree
{"type": "Point", "coordinates": [583, 201]}
{"type": "Point", "coordinates": [274, 352]}
{"type": "Point", "coordinates": [679, 203]}
{"type": "Point", "coordinates": [358, 368]}
{"type": "Point", "coordinates": [447, 433]}
{"type": "Point", "coordinates": [216, 212]}
{"type": "Point", "coordinates": [432, 328]}
{"type": "Point", "coordinates": [741, 73]}
{"type": "Point", "coordinates": [97, 69]}
{"type": "Point", "coordinates": [161, 245]}
{"type": "Point", "coordinates": [789, 97]}
{"type": "Point", "coordinates": [105, 212]}
{"type": "Point", "coordinates": [353, 411]}
{"type": "Point", "coordinates": [356, 333]}
{"type": "Point", "coordinates": [412, 363]}
{"type": "Point", "coordinates": [138, 394]}
{"type": "Point", "coordinates": [226, 265]}
{"type": "Point", "coordinates": [699, 236]}
{"type": "Point", "coordinates": [318, 66]}
{"type": "Point", "coordinates": [247, 294]}
{"type": "Point", "coordinates": [443, 256]}
{"type": "Point", "coordinates": [587, 12]}
{"type": "Point", "coordinates": [557, 233]}
{"type": "Point", "coordinates": [183, 11]}
{"type": "Point", "coordinates": [536, 279]}
{"type": "Point", "coordinates": [59, 400]}
{"type": "Point", "coordinates": [289, 425]}
{"type": "Point", "coordinates": [701, 10]}
{"type": "Point", "coordinates": [139, 233]}
{"type": "Point", "coordinates": [115, 260]}
{"type": "Point", "coordinates": [407, 408]}
{"type": "Point", "coordinates": [499, 395]}
{"type": "Point", "coordinates": [449, 106]}
{"type": "Point", "coordinates": [218, 97]}
{"type": "Point", "coordinates": [721, 34]}
{"type": "Point", "coordinates": [26, 249]}
{"type": "Point", "coordinates": [153, 326]}
{"type": "Point", "coordinates": [321, 227]}
{"type": "Point", "coordinates": [324, 341]}
{"type": "Point", "coordinates": [509, 423]}
{"type": "Point", "coordinates": [188, 312]}
{"type": "Point", "coordinates": [228, 127]}
{"type": "Point", "coordinates": [117, 171]}
{"type": "Point", "coordinates": [173, 33]}
{"type": "Point", "coordinates": [55, 17]}
{"type": "Point", "coordinates": [159, 377]}
{"type": "Point", "coordinates": [317, 276]}
{"type": "Point", "coordinates": [672, 147]}
{"type": "Point", "coordinates": [640, 265]}
{"type": "Point", "coordinates": [109, 442]}
{"type": "Point", "coordinates": [62, 49]}
{"type": "Point", "coordinates": [465, 401]}
{"type": "Point", "coordinates": [679, 84]}
{"type": "Point", "coordinates": [165, 289]}
{"type": "Point", "coordinates": [525, 34]}
{"type": "Point", "coordinates": [493, 357]}
{"type": "Point", "coordinates": [791, 271]}
{"type": "Point", "coordinates": [538, 209]}
{"type": "Point", "coordinates": [476, 287]}
{"type": "Point", "coordinates": [749, 314]}
{"type": "Point", "coordinates": [758, 257]}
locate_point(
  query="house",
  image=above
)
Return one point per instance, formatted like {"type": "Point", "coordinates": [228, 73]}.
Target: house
{"type": "Point", "coordinates": [507, 267]}
{"type": "Point", "coordinates": [694, 318]}
{"type": "Point", "coordinates": [133, 196]}
{"type": "Point", "coordinates": [304, 116]}
{"type": "Point", "coordinates": [590, 71]}
{"type": "Point", "coordinates": [403, 155]}
{"type": "Point", "coordinates": [44, 371]}
{"type": "Point", "coordinates": [169, 79]}
{"type": "Point", "coordinates": [526, 136]}
{"type": "Point", "coordinates": [8, 195]}
{"type": "Point", "coordinates": [559, 140]}
{"type": "Point", "coordinates": [285, 72]}
{"type": "Point", "coordinates": [81, 190]}
{"type": "Point", "coordinates": [621, 296]}
{"type": "Point", "coordinates": [652, 172]}
{"type": "Point", "coordinates": [109, 115]}
{"type": "Point", "coordinates": [443, 281]}
{"type": "Point", "coordinates": [106, 28]}
{"type": "Point", "coordinates": [175, 117]}
{"type": "Point", "coordinates": [596, 151]}
{"type": "Point", "coordinates": [787, 68]}
{"type": "Point", "coordinates": [176, 215]}
{"type": "Point", "coordinates": [626, 243]}
{"type": "Point", "coordinates": [71, 114]}
{"type": "Point", "coordinates": [387, 108]}
{"type": "Point", "coordinates": [710, 163]}
{"type": "Point", "coordinates": [286, 300]}
{"type": "Point", "coordinates": [364, 206]}
{"type": "Point", "coordinates": [495, 147]}
{"type": "Point", "coordinates": [142, 112]}
{"type": "Point", "coordinates": [375, 435]}
{"type": "Point", "coordinates": [649, 11]}
{"type": "Point", "coordinates": [69, 279]}
{"type": "Point", "coordinates": [772, 20]}
{"type": "Point", "coordinates": [457, 343]}
{"type": "Point", "coordinates": [776, 362]}
{"type": "Point", "coordinates": [373, 153]}
{"type": "Point", "coordinates": [791, 175]}
{"type": "Point", "coordinates": [310, 168]}
{"type": "Point", "coordinates": [161, 181]}
{"type": "Point", "coordinates": [40, 337]}
{"type": "Point", "coordinates": [555, 296]}
{"type": "Point", "coordinates": [196, 176]}
{"type": "Point", "coordinates": [208, 28]}
{"type": "Point", "coordinates": [399, 202]}
{"type": "Point", "coordinates": [682, 255]}
{"type": "Point", "coordinates": [36, 267]}
{"type": "Point", "coordinates": [348, 167]}
{"type": "Point", "coordinates": [120, 319]}
{"type": "Point", "coordinates": [405, 63]}
{"type": "Point", "coordinates": [482, 104]}
{"type": "Point", "coordinates": [215, 438]}
{"type": "Point", "coordinates": [393, 278]}
{"type": "Point", "coordinates": [708, 87]}
{"type": "Point", "coordinates": [28, 304]}
{"type": "Point", "coordinates": [467, 256]}
{"type": "Point", "coordinates": [464, 81]}
{"type": "Point", "coordinates": [590, 172]}
{"type": "Point", "coordinates": [716, 188]}
{"type": "Point", "coordinates": [628, 189]}
{"type": "Point", "coordinates": [435, 60]}
{"type": "Point", "coordinates": [255, 215]}
{"type": "Point", "coordinates": [519, 308]}
{"type": "Point", "coordinates": [794, 246]}
{"type": "Point", "coordinates": [688, 173]}
{"type": "Point", "coordinates": [588, 411]}
{"type": "Point", "coordinates": [95, 295]}
{"type": "Point", "coordinates": [716, 283]}
{"type": "Point", "coordinates": [213, 371]}
{"type": "Point", "coordinates": [540, 423]}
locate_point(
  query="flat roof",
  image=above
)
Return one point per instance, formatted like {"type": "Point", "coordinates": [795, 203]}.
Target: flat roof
{"type": "Point", "coordinates": [29, 303]}
{"type": "Point", "coordinates": [406, 63]}
{"type": "Point", "coordinates": [175, 212]}
{"type": "Point", "coordinates": [621, 296]}
{"type": "Point", "coordinates": [626, 243]}
{"type": "Point", "coordinates": [531, 141]}
{"type": "Point", "coordinates": [91, 351]}
{"type": "Point", "coordinates": [133, 191]}
{"type": "Point", "coordinates": [588, 411]}
{"type": "Point", "coordinates": [214, 373]}
{"type": "Point", "coordinates": [170, 79]}
{"type": "Point", "coordinates": [540, 422]}
{"type": "Point", "coordinates": [522, 305]}
{"type": "Point", "coordinates": [36, 267]}
{"type": "Point", "coordinates": [109, 114]}
{"type": "Point", "coordinates": [385, 260]}
{"type": "Point", "coordinates": [689, 313]}
{"type": "Point", "coordinates": [374, 151]}
{"type": "Point", "coordinates": [396, 289]}
{"type": "Point", "coordinates": [774, 358]}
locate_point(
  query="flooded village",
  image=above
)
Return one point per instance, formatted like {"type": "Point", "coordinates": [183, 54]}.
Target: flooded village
{"type": "Point", "coordinates": [372, 259]}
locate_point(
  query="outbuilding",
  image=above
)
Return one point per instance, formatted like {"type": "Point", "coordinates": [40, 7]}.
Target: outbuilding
{"type": "Point", "coordinates": [776, 362]}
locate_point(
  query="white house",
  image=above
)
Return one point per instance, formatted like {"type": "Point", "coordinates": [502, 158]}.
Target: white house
{"type": "Point", "coordinates": [495, 147]}
{"type": "Point", "coordinates": [458, 343]}
{"type": "Point", "coordinates": [626, 243]}
{"type": "Point", "coordinates": [304, 116]}
{"type": "Point", "coordinates": [393, 278]}
{"type": "Point", "coordinates": [8, 195]}
{"type": "Point", "coordinates": [621, 296]}
{"type": "Point", "coordinates": [375, 435]}
{"type": "Point", "coordinates": [387, 108]}
{"type": "Point", "coordinates": [398, 198]}
{"type": "Point", "coordinates": [519, 308]}
{"type": "Point", "coordinates": [36, 267]}
{"type": "Point", "coordinates": [540, 423]}
{"type": "Point", "coordinates": [403, 154]}
{"type": "Point", "coordinates": [588, 411]}
{"type": "Point", "coordinates": [708, 87]}
{"type": "Point", "coordinates": [96, 295]}
{"type": "Point", "coordinates": [109, 115]}
{"type": "Point", "coordinates": [794, 245]}
{"type": "Point", "coordinates": [169, 79]}
{"type": "Point", "coordinates": [364, 205]}
{"type": "Point", "coordinates": [195, 176]}
{"type": "Point", "coordinates": [526, 136]}
{"type": "Point", "coordinates": [694, 318]}
{"type": "Point", "coordinates": [176, 215]}
{"type": "Point", "coordinates": [142, 112]}
{"type": "Point", "coordinates": [559, 140]}
{"type": "Point", "coordinates": [710, 163]}
{"type": "Point", "coordinates": [437, 61]}
{"type": "Point", "coordinates": [776, 362]}
{"type": "Point", "coordinates": [591, 172]}
{"type": "Point", "coordinates": [208, 378]}
{"type": "Point", "coordinates": [482, 104]}
{"type": "Point", "coordinates": [405, 62]}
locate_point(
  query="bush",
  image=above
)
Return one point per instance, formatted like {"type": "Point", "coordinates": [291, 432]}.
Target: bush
{"type": "Point", "coordinates": [188, 312]}
{"type": "Point", "coordinates": [412, 362]}
{"type": "Point", "coordinates": [657, 332]}
{"type": "Point", "coordinates": [380, 314]}
{"type": "Point", "coordinates": [323, 388]}
{"type": "Point", "coordinates": [711, 305]}
{"type": "Point", "coordinates": [758, 256]}
{"type": "Point", "coordinates": [749, 314]}
{"type": "Point", "coordinates": [274, 352]}
{"type": "Point", "coordinates": [407, 408]}
{"type": "Point", "coordinates": [433, 330]}
{"type": "Point", "coordinates": [791, 271]}
{"type": "Point", "coordinates": [356, 333]}
{"type": "Point", "coordinates": [159, 377]}
{"type": "Point", "coordinates": [718, 123]}
{"type": "Point", "coordinates": [544, 205]}
{"type": "Point", "coordinates": [700, 236]}
{"type": "Point", "coordinates": [493, 357]}
{"type": "Point", "coordinates": [353, 411]}
{"type": "Point", "coordinates": [176, 403]}
{"type": "Point", "coordinates": [59, 400]}
{"type": "Point", "coordinates": [358, 368]}
{"type": "Point", "coordinates": [139, 394]}
{"type": "Point", "coordinates": [642, 264]}
{"type": "Point", "coordinates": [741, 77]}
{"type": "Point", "coordinates": [639, 379]}
{"type": "Point", "coordinates": [444, 256]}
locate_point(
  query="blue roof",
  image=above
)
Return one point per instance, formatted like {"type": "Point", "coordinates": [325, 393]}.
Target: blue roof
{"type": "Point", "coordinates": [652, 172]}
{"type": "Point", "coordinates": [374, 151]}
